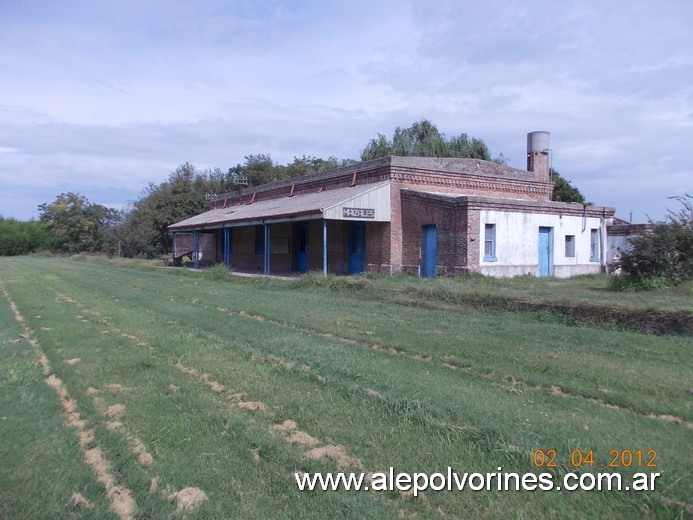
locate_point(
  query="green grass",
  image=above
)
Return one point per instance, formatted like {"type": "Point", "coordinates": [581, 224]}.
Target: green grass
{"type": "Point", "coordinates": [42, 465]}
{"type": "Point", "coordinates": [395, 383]}
{"type": "Point", "coordinates": [587, 289]}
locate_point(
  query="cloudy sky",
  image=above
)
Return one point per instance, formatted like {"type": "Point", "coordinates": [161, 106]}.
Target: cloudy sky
{"type": "Point", "coordinates": [103, 98]}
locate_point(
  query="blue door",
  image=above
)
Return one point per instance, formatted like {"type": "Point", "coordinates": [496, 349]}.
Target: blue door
{"type": "Point", "coordinates": [357, 247]}
{"type": "Point", "coordinates": [430, 250]}
{"type": "Point", "coordinates": [302, 247]}
{"type": "Point", "coordinates": [545, 251]}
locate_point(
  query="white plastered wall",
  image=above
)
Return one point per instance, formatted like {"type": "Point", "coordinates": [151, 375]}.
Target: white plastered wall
{"type": "Point", "coordinates": [517, 243]}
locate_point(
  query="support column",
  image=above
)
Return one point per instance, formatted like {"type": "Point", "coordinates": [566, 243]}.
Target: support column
{"type": "Point", "coordinates": [197, 249]}
{"type": "Point", "coordinates": [173, 250]}
{"type": "Point", "coordinates": [227, 247]}
{"type": "Point", "coordinates": [267, 249]}
{"type": "Point", "coordinates": [324, 247]}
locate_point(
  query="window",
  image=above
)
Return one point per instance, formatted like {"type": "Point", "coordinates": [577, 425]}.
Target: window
{"type": "Point", "coordinates": [594, 245]}
{"type": "Point", "coordinates": [570, 246]}
{"type": "Point", "coordinates": [490, 243]}
{"type": "Point", "coordinates": [260, 240]}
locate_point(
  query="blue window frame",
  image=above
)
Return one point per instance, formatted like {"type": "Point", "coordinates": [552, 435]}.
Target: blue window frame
{"type": "Point", "coordinates": [490, 243]}
{"type": "Point", "coordinates": [594, 245]}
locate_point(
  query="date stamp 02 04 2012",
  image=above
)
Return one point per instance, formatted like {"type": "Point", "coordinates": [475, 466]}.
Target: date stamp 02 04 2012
{"type": "Point", "coordinates": [585, 458]}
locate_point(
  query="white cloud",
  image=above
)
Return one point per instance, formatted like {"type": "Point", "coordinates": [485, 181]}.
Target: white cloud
{"type": "Point", "coordinates": [104, 98]}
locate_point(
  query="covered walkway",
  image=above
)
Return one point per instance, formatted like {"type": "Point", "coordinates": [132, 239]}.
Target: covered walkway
{"type": "Point", "coordinates": [324, 229]}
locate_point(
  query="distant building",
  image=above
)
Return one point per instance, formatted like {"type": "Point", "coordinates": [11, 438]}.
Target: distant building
{"type": "Point", "coordinates": [420, 215]}
{"type": "Point", "coordinates": [620, 233]}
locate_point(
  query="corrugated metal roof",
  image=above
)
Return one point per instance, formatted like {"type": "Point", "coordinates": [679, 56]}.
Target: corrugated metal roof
{"type": "Point", "coordinates": [307, 204]}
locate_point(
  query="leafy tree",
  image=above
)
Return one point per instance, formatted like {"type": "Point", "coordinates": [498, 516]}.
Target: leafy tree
{"type": "Point", "coordinates": [261, 169]}
{"type": "Point", "coordinates": [564, 191]}
{"type": "Point", "coordinates": [423, 139]}
{"type": "Point", "coordinates": [307, 165]}
{"type": "Point", "coordinates": [144, 230]}
{"type": "Point", "coordinates": [258, 169]}
{"type": "Point", "coordinates": [21, 238]}
{"type": "Point", "coordinates": [75, 224]}
{"type": "Point", "coordinates": [661, 255]}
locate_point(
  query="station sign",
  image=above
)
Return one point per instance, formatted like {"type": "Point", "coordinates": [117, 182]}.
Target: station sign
{"type": "Point", "coordinates": [358, 212]}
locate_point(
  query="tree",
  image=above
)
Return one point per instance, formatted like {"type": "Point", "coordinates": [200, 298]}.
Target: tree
{"type": "Point", "coordinates": [261, 169]}
{"type": "Point", "coordinates": [564, 191]}
{"type": "Point", "coordinates": [21, 238]}
{"type": "Point", "coordinates": [75, 224]}
{"type": "Point", "coordinates": [145, 229]}
{"type": "Point", "coordinates": [258, 169]}
{"type": "Point", "coordinates": [663, 254]}
{"type": "Point", "coordinates": [423, 139]}
{"type": "Point", "coordinates": [308, 165]}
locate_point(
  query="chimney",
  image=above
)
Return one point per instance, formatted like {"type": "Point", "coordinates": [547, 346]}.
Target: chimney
{"type": "Point", "coordinates": [538, 155]}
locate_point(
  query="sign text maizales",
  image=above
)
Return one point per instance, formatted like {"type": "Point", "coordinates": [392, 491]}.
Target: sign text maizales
{"type": "Point", "coordinates": [358, 213]}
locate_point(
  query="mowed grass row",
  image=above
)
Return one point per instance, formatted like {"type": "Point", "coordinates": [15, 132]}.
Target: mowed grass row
{"type": "Point", "coordinates": [585, 290]}
{"type": "Point", "coordinates": [131, 328]}
{"type": "Point", "coordinates": [41, 464]}
{"type": "Point", "coordinates": [531, 347]}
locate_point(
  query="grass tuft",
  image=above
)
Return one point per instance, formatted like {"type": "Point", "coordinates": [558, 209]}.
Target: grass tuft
{"type": "Point", "coordinates": [217, 273]}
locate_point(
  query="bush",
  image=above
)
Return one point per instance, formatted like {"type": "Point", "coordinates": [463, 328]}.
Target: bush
{"type": "Point", "coordinates": [217, 273]}
{"type": "Point", "coordinates": [331, 282]}
{"type": "Point", "coordinates": [22, 238]}
{"type": "Point", "coordinates": [662, 256]}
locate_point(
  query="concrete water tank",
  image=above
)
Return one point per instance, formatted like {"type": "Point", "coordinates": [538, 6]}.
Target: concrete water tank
{"type": "Point", "coordinates": [538, 142]}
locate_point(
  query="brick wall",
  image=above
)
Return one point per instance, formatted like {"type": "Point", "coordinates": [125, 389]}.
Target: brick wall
{"type": "Point", "coordinates": [441, 175]}
{"type": "Point", "coordinates": [377, 246]}
{"type": "Point", "coordinates": [338, 247]}
{"type": "Point", "coordinates": [454, 177]}
{"type": "Point", "coordinates": [420, 209]}
{"type": "Point", "coordinates": [243, 257]}
{"type": "Point", "coordinates": [473, 184]}
{"type": "Point", "coordinates": [538, 164]}
{"type": "Point", "coordinates": [185, 242]}
{"type": "Point", "coordinates": [282, 250]}
{"type": "Point", "coordinates": [472, 239]}
{"type": "Point", "coordinates": [281, 258]}
{"type": "Point", "coordinates": [315, 244]}
{"type": "Point", "coordinates": [395, 235]}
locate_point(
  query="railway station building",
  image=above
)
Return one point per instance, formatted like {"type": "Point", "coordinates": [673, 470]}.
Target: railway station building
{"type": "Point", "coordinates": [421, 215]}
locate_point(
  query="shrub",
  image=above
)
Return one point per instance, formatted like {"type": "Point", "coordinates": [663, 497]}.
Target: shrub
{"type": "Point", "coordinates": [661, 256]}
{"type": "Point", "coordinates": [331, 282]}
{"type": "Point", "coordinates": [217, 273]}
{"type": "Point", "coordinates": [22, 238]}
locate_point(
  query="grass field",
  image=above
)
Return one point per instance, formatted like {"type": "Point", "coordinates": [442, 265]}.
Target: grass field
{"type": "Point", "coordinates": [169, 389]}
